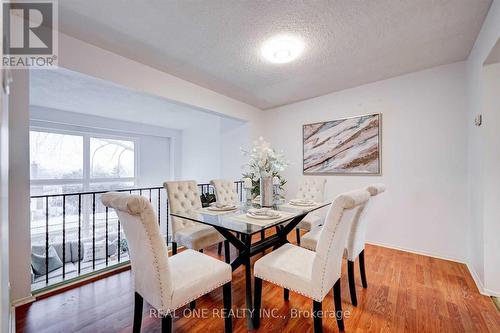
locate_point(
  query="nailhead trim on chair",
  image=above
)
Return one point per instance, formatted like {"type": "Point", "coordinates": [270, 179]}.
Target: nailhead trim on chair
{"type": "Point", "coordinates": [329, 249]}
{"type": "Point", "coordinates": [158, 275]}
{"type": "Point", "coordinates": [199, 295]}
{"type": "Point", "coordinates": [283, 286]}
{"type": "Point", "coordinates": [322, 275]}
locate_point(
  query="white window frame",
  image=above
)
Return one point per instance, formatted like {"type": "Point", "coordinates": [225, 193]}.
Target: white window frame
{"type": "Point", "coordinates": [86, 179]}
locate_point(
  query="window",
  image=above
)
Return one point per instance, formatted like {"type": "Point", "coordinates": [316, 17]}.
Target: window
{"type": "Point", "coordinates": [56, 156]}
{"type": "Point", "coordinates": [67, 162]}
{"type": "Point", "coordinates": [71, 162]}
{"type": "Point", "coordinates": [111, 158]}
{"type": "Point", "coordinates": [64, 162]}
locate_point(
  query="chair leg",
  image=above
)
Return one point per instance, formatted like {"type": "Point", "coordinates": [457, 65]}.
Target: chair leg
{"type": "Point", "coordinates": [297, 233]}
{"type": "Point", "coordinates": [227, 254]}
{"type": "Point", "coordinates": [352, 286]}
{"type": "Point", "coordinates": [338, 305]}
{"type": "Point", "coordinates": [219, 248]}
{"type": "Point", "coordinates": [138, 303]}
{"type": "Point", "coordinates": [362, 268]}
{"type": "Point", "coordinates": [262, 236]}
{"type": "Point", "coordinates": [166, 324]}
{"type": "Point", "coordinates": [318, 317]}
{"type": "Point", "coordinates": [192, 305]}
{"type": "Point", "coordinates": [228, 318]}
{"type": "Point", "coordinates": [286, 294]}
{"type": "Point", "coordinates": [257, 302]}
{"type": "Point", "coordinates": [174, 248]}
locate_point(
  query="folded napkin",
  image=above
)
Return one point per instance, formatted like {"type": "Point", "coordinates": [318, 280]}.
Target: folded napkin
{"type": "Point", "coordinates": [263, 212]}
{"type": "Point", "coordinates": [221, 205]}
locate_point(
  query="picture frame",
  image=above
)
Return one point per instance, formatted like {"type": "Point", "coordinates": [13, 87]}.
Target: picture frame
{"type": "Point", "coordinates": [345, 146]}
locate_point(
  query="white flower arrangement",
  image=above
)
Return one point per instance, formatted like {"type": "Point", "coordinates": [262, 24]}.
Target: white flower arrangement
{"type": "Point", "coordinates": [264, 161]}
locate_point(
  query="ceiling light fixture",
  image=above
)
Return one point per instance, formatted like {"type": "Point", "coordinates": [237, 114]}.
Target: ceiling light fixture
{"type": "Point", "coordinates": [282, 49]}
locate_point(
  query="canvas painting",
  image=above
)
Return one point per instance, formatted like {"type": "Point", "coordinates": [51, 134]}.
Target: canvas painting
{"type": "Point", "coordinates": [344, 146]}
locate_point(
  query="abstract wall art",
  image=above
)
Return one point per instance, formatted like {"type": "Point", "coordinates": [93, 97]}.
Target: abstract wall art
{"type": "Point", "coordinates": [343, 146]}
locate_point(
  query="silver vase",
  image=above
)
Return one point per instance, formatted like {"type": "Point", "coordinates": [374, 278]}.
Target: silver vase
{"type": "Point", "coordinates": [266, 191]}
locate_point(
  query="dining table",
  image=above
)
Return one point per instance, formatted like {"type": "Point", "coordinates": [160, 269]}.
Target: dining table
{"type": "Point", "coordinates": [239, 223]}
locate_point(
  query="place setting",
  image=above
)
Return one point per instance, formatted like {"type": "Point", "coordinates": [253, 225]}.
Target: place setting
{"type": "Point", "coordinates": [218, 208]}
{"type": "Point", "coordinates": [263, 216]}
{"type": "Point", "coordinates": [302, 202]}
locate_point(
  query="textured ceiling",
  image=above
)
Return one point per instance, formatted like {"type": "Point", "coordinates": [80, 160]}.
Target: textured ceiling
{"type": "Point", "coordinates": [70, 91]}
{"type": "Point", "coordinates": [216, 43]}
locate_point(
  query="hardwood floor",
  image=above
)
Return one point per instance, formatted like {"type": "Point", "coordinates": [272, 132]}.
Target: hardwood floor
{"type": "Point", "coordinates": [406, 293]}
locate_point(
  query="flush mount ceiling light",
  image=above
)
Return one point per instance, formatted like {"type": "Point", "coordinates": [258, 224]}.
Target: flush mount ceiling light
{"type": "Point", "coordinates": [282, 49]}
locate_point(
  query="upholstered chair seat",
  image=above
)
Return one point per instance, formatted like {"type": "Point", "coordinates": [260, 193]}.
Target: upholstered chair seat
{"type": "Point", "coordinates": [198, 236]}
{"type": "Point", "coordinates": [310, 188]}
{"type": "Point", "coordinates": [183, 198]}
{"type": "Point", "coordinates": [313, 274]}
{"type": "Point", "coordinates": [310, 239]}
{"type": "Point", "coordinates": [355, 246]}
{"type": "Point", "coordinates": [195, 274]}
{"type": "Point", "coordinates": [310, 222]}
{"type": "Point", "coordinates": [165, 283]}
{"type": "Point", "coordinates": [290, 267]}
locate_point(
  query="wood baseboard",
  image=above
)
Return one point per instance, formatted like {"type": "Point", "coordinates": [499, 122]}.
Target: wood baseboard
{"type": "Point", "coordinates": [496, 301]}
{"type": "Point", "coordinates": [82, 282]}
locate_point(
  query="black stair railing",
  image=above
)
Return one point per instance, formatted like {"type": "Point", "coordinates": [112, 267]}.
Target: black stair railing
{"type": "Point", "coordinates": [67, 216]}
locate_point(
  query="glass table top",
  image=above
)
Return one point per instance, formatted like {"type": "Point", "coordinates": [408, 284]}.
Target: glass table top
{"type": "Point", "coordinates": [238, 220]}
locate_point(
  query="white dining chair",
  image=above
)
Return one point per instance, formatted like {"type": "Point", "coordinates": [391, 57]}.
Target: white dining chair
{"type": "Point", "coordinates": [165, 283]}
{"type": "Point", "coordinates": [313, 274]}
{"type": "Point", "coordinates": [355, 246]}
{"type": "Point", "coordinates": [311, 188]}
{"type": "Point", "coordinates": [225, 193]}
{"type": "Point", "coordinates": [183, 198]}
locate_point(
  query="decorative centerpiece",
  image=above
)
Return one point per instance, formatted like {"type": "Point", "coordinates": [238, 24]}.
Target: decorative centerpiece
{"type": "Point", "coordinates": [264, 166]}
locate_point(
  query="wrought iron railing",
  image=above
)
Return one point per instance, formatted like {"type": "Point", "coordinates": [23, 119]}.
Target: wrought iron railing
{"type": "Point", "coordinates": [73, 223]}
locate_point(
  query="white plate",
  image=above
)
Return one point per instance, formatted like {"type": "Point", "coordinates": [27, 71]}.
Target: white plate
{"type": "Point", "coordinates": [221, 209]}
{"type": "Point", "coordinates": [296, 203]}
{"type": "Point", "coordinates": [263, 217]}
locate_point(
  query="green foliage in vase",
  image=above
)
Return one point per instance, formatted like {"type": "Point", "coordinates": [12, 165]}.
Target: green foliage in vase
{"type": "Point", "coordinates": [207, 199]}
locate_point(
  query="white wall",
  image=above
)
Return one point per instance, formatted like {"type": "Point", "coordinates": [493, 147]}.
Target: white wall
{"type": "Point", "coordinates": [482, 215]}
{"type": "Point", "coordinates": [491, 169]}
{"type": "Point", "coordinates": [201, 149]}
{"type": "Point", "coordinates": [4, 198]}
{"type": "Point", "coordinates": [234, 136]}
{"type": "Point", "coordinates": [19, 187]}
{"type": "Point", "coordinates": [423, 155]}
{"type": "Point", "coordinates": [211, 148]}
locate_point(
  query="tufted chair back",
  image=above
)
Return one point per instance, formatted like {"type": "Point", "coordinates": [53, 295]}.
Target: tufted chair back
{"type": "Point", "coordinates": [312, 188]}
{"type": "Point", "coordinates": [225, 191]}
{"type": "Point", "coordinates": [183, 198]}
{"type": "Point", "coordinates": [357, 235]}
{"type": "Point", "coordinates": [332, 239]}
{"type": "Point", "coordinates": [148, 251]}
